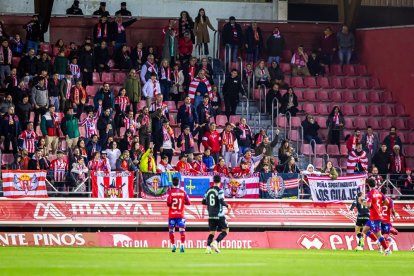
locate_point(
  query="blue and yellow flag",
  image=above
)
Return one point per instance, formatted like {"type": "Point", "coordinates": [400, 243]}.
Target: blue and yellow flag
{"type": "Point", "coordinates": [167, 177]}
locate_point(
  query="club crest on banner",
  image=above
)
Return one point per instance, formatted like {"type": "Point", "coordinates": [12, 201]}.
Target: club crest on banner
{"type": "Point", "coordinates": [275, 186]}
{"type": "Point", "coordinates": [113, 191]}
{"type": "Point", "coordinates": [25, 183]}
{"type": "Point", "coordinates": [234, 187]}
{"type": "Point", "coordinates": [152, 185]}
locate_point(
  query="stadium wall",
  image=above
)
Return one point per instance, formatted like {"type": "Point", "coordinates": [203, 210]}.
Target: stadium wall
{"type": "Point", "coordinates": [197, 240]}
{"type": "Point", "coordinates": [388, 54]}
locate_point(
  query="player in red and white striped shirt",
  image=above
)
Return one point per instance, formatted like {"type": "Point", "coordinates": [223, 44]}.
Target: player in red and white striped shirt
{"type": "Point", "coordinates": [29, 137]}
{"type": "Point", "coordinates": [59, 168]}
{"type": "Point", "coordinates": [90, 123]}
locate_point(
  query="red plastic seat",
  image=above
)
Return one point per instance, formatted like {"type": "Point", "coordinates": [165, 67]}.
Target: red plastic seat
{"type": "Point", "coordinates": [142, 104]}
{"type": "Point", "coordinates": [362, 83]}
{"type": "Point", "coordinates": [332, 150]}
{"type": "Point", "coordinates": [285, 67]}
{"type": "Point", "coordinates": [374, 84]}
{"type": "Point", "coordinates": [318, 163]}
{"type": "Point", "coordinates": [360, 123]}
{"type": "Point", "coordinates": [348, 96]}
{"type": "Point", "coordinates": [386, 123]}
{"type": "Point", "coordinates": [349, 70]}
{"type": "Point", "coordinates": [374, 96]}
{"type": "Point", "coordinates": [387, 97]}
{"type": "Point", "coordinates": [282, 122]}
{"type": "Point", "coordinates": [321, 120]}
{"type": "Point", "coordinates": [323, 82]}
{"type": "Point", "coordinates": [400, 110]}
{"type": "Point", "coordinates": [322, 109]}
{"type": "Point", "coordinates": [320, 149]}
{"type": "Point", "coordinates": [344, 150]}
{"type": "Point", "coordinates": [349, 83]}
{"type": "Point", "coordinates": [171, 106]}
{"type": "Point", "coordinates": [310, 82]}
{"type": "Point", "coordinates": [306, 149]}
{"type": "Point", "coordinates": [409, 150]}
{"type": "Point", "coordinates": [361, 70]}
{"type": "Point", "coordinates": [410, 137]}
{"type": "Point", "coordinates": [322, 95]}
{"type": "Point", "coordinates": [361, 110]}
{"type": "Point", "coordinates": [386, 110]}
{"type": "Point", "coordinates": [108, 77]}
{"type": "Point", "coordinates": [399, 123]}
{"type": "Point", "coordinates": [349, 123]}
{"type": "Point", "coordinates": [120, 77]}
{"type": "Point", "coordinates": [336, 96]}
{"type": "Point", "coordinates": [15, 61]}
{"type": "Point", "coordinates": [297, 82]}
{"type": "Point", "coordinates": [96, 78]}
{"type": "Point", "coordinates": [336, 70]}
{"type": "Point", "coordinates": [348, 110]}
{"type": "Point", "coordinates": [298, 92]}
{"type": "Point", "coordinates": [90, 90]}
{"type": "Point", "coordinates": [361, 97]}
{"type": "Point", "coordinates": [295, 122]}
{"type": "Point", "coordinates": [374, 123]}
{"type": "Point", "coordinates": [337, 83]}
{"type": "Point", "coordinates": [294, 135]}
{"type": "Point", "coordinates": [256, 94]}
{"type": "Point", "coordinates": [221, 120]}
{"type": "Point", "coordinates": [374, 110]}
{"type": "Point", "coordinates": [309, 95]}
{"type": "Point", "coordinates": [309, 108]}
{"type": "Point", "coordinates": [7, 159]}
{"type": "Point", "coordinates": [235, 119]}
{"type": "Point", "coordinates": [286, 55]}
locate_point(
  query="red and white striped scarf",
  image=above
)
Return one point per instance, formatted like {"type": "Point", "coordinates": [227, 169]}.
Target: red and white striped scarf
{"type": "Point", "coordinates": [99, 31]}
{"type": "Point", "coordinates": [154, 88]}
{"type": "Point", "coordinates": [188, 109]}
{"type": "Point", "coordinates": [228, 140]}
{"type": "Point", "coordinates": [398, 163]}
{"type": "Point", "coordinates": [166, 75]}
{"type": "Point", "coordinates": [191, 72]}
{"type": "Point", "coordinates": [168, 133]}
{"type": "Point", "coordinates": [120, 28]}
{"type": "Point", "coordinates": [68, 88]}
{"type": "Point", "coordinates": [299, 60]}
{"type": "Point", "coordinates": [190, 141]}
{"type": "Point", "coordinates": [259, 139]}
{"type": "Point", "coordinates": [193, 87]}
{"type": "Point", "coordinates": [176, 76]}
{"type": "Point", "coordinates": [336, 119]}
{"type": "Point", "coordinates": [370, 143]}
{"type": "Point", "coordinates": [74, 68]}
{"type": "Point", "coordinates": [145, 120]}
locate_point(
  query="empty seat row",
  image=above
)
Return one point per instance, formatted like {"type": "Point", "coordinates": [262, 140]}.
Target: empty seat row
{"type": "Point", "coordinates": [333, 82]}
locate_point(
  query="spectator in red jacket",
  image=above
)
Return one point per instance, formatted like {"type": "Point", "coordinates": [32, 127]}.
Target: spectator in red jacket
{"type": "Point", "coordinates": [328, 46]}
{"type": "Point", "coordinates": [185, 48]}
{"type": "Point", "coordinates": [212, 141]}
{"type": "Point", "coordinates": [353, 140]}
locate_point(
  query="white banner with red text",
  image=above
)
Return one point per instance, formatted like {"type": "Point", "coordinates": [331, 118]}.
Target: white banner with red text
{"type": "Point", "coordinates": [145, 213]}
{"type": "Point", "coordinates": [198, 240]}
{"type": "Point", "coordinates": [341, 189]}
{"type": "Point", "coordinates": [20, 184]}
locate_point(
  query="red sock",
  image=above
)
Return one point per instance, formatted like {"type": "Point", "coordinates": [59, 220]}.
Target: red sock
{"type": "Point", "coordinates": [373, 237]}
{"type": "Point", "coordinates": [182, 234]}
{"type": "Point", "coordinates": [394, 231]}
{"type": "Point", "coordinates": [384, 243]}
{"type": "Point", "coordinates": [172, 239]}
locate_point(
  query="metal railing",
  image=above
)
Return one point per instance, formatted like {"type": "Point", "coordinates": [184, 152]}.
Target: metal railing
{"type": "Point", "coordinates": [241, 68]}
{"type": "Point", "coordinates": [264, 95]}
{"type": "Point", "coordinates": [227, 57]}
{"type": "Point", "coordinates": [216, 46]}
{"type": "Point", "coordinates": [277, 114]}
{"type": "Point", "coordinates": [288, 116]}
{"type": "Point", "coordinates": [314, 150]}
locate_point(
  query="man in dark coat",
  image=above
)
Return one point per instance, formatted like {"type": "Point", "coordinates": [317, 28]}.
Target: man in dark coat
{"type": "Point", "coordinates": [102, 10]}
{"type": "Point", "coordinates": [232, 37]}
{"type": "Point", "coordinates": [231, 90]}
{"type": "Point", "coordinates": [253, 42]}
{"type": "Point", "coordinates": [187, 115]}
{"type": "Point", "coordinates": [123, 11]}
{"type": "Point", "coordinates": [275, 46]}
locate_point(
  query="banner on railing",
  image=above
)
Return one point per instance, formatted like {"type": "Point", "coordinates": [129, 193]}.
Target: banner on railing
{"type": "Point", "coordinates": [284, 185]}
{"type": "Point", "coordinates": [343, 188]}
{"type": "Point", "coordinates": [17, 184]}
{"type": "Point", "coordinates": [155, 186]}
{"type": "Point", "coordinates": [113, 184]}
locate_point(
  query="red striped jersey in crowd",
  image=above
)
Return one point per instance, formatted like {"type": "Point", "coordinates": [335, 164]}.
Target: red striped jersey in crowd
{"type": "Point", "coordinates": [131, 124]}
{"type": "Point", "coordinates": [154, 106]}
{"type": "Point", "coordinates": [123, 102]}
{"type": "Point", "coordinates": [90, 124]}
{"type": "Point", "coordinates": [98, 165]}
{"type": "Point", "coordinates": [74, 68]}
{"type": "Point", "coordinates": [29, 137]}
{"type": "Point", "coordinates": [60, 169]}
{"type": "Point", "coordinates": [199, 166]}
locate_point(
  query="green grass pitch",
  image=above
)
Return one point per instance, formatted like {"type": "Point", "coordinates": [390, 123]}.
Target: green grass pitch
{"type": "Point", "coordinates": [127, 261]}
